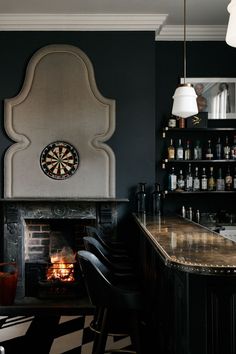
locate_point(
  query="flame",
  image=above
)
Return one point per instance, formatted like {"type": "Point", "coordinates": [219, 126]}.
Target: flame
{"type": "Point", "coordinates": [61, 271]}
{"type": "Point", "coordinates": [62, 266]}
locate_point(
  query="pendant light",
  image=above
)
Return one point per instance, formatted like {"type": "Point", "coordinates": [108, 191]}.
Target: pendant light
{"type": "Point", "coordinates": [185, 98]}
{"type": "Point", "coordinates": [231, 30]}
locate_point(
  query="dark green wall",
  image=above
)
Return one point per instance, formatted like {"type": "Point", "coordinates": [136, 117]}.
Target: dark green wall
{"type": "Point", "coordinates": [124, 65]}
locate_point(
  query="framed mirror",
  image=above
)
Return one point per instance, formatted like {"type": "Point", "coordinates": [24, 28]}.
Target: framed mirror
{"type": "Point", "coordinates": [217, 96]}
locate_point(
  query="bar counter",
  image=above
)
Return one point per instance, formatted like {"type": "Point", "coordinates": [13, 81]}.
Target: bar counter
{"type": "Point", "coordinates": [189, 246]}
{"type": "Point", "coordinates": [188, 274]}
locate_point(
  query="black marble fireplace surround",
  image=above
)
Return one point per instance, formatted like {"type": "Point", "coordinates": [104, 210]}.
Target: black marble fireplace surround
{"type": "Point", "coordinates": [16, 214]}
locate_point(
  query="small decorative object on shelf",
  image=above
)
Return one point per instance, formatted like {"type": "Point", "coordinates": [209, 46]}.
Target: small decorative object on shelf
{"type": "Point", "coordinates": [198, 121]}
{"type": "Point", "coordinates": [172, 122]}
{"type": "Point", "coordinates": [181, 122]}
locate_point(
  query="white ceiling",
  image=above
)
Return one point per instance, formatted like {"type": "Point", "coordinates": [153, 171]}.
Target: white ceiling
{"type": "Point", "coordinates": [202, 15]}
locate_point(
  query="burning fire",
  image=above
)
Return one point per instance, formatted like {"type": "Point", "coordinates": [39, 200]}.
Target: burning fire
{"type": "Point", "coordinates": [62, 266]}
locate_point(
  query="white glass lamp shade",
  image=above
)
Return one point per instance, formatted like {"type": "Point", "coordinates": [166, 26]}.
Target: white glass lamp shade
{"type": "Point", "coordinates": [231, 30]}
{"type": "Point", "coordinates": [185, 101]}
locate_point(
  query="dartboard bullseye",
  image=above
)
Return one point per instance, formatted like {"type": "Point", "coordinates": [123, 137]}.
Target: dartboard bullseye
{"type": "Point", "coordinates": [59, 160]}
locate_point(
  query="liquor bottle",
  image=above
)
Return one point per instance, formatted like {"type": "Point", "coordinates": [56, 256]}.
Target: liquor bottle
{"type": "Point", "coordinates": [197, 151]}
{"type": "Point", "coordinates": [228, 180]}
{"type": "Point", "coordinates": [157, 200]}
{"type": "Point", "coordinates": [172, 183]}
{"type": "Point", "coordinates": [211, 185]}
{"type": "Point", "coordinates": [233, 149]}
{"type": "Point", "coordinates": [187, 151]}
{"type": "Point", "coordinates": [196, 181]}
{"type": "Point", "coordinates": [180, 181]}
{"type": "Point", "coordinates": [171, 151]}
{"type": "Point", "coordinates": [179, 151]}
{"type": "Point", "coordinates": [198, 216]}
{"type": "Point", "coordinates": [226, 149]}
{"type": "Point", "coordinates": [204, 180]}
{"type": "Point", "coordinates": [218, 149]}
{"type": "Point", "coordinates": [209, 152]}
{"type": "Point", "coordinates": [234, 179]}
{"type": "Point", "coordinates": [190, 213]}
{"type": "Point", "coordinates": [141, 198]}
{"type": "Point", "coordinates": [220, 182]}
{"type": "Point", "coordinates": [189, 180]}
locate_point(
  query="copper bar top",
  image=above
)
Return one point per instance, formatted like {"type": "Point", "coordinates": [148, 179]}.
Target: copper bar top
{"type": "Point", "coordinates": [189, 246]}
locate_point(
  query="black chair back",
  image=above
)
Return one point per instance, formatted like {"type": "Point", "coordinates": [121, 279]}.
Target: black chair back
{"type": "Point", "coordinates": [101, 287]}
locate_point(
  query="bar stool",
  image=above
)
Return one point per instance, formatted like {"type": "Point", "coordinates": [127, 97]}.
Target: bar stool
{"type": "Point", "coordinates": [116, 246]}
{"type": "Point", "coordinates": [118, 305]}
{"type": "Point", "coordinates": [118, 263]}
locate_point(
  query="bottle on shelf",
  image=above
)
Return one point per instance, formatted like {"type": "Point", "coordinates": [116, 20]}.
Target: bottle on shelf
{"type": "Point", "coordinates": [233, 149]}
{"type": "Point", "coordinates": [180, 181]}
{"type": "Point", "coordinates": [196, 181]}
{"type": "Point", "coordinates": [180, 151]}
{"type": "Point", "coordinates": [209, 152]}
{"type": "Point", "coordinates": [234, 179]}
{"type": "Point", "coordinates": [172, 180]}
{"type": "Point", "coordinates": [218, 149]}
{"type": "Point", "coordinates": [226, 149]}
{"type": "Point", "coordinates": [197, 151]}
{"type": "Point", "coordinates": [171, 151]}
{"type": "Point", "coordinates": [204, 180]}
{"type": "Point", "coordinates": [211, 183]}
{"type": "Point", "coordinates": [198, 216]}
{"type": "Point", "coordinates": [190, 213]}
{"type": "Point", "coordinates": [141, 198]}
{"type": "Point", "coordinates": [220, 182]}
{"type": "Point", "coordinates": [187, 151]}
{"type": "Point", "coordinates": [189, 179]}
{"type": "Point", "coordinates": [228, 180]}
{"type": "Point", "coordinates": [183, 211]}
{"type": "Point", "coordinates": [157, 200]}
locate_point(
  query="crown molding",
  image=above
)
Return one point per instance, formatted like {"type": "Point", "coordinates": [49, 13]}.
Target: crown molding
{"type": "Point", "coordinates": [110, 22]}
{"type": "Point", "coordinates": [193, 33]}
{"type": "Point", "coordinates": [82, 22]}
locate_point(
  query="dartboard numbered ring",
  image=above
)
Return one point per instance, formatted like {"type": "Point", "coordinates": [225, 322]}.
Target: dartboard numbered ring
{"type": "Point", "coordinates": [59, 160]}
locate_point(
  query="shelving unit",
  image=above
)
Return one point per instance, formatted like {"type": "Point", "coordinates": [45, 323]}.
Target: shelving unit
{"type": "Point", "coordinates": [193, 134]}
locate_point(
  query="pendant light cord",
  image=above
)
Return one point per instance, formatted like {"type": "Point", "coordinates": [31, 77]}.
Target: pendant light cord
{"type": "Point", "coordinates": [185, 64]}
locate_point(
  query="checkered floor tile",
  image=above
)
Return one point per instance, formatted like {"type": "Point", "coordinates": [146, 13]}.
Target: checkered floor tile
{"type": "Point", "coordinates": [57, 335]}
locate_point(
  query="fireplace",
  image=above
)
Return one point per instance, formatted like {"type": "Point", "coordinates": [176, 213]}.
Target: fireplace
{"type": "Point", "coordinates": [39, 235]}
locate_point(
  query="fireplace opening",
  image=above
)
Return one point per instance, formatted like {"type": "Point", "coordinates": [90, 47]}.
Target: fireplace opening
{"type": "Point", "coordinates": [51, 268]}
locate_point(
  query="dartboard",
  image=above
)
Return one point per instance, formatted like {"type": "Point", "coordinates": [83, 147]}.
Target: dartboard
{"type": "Point", "coordinates": [59, 160]}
